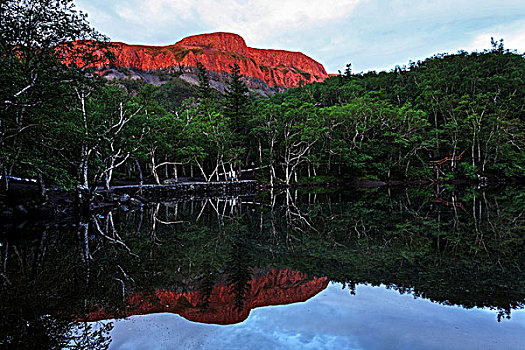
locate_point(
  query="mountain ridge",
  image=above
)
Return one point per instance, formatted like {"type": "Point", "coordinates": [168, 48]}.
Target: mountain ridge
{"type": "Point", "coordinates": [217, 52]}
{"type": "Point", "coordinates": [275, 287]}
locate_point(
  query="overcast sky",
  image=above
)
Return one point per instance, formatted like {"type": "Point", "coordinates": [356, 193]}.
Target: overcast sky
{"type": "Point", "coordinates": [371, 34]}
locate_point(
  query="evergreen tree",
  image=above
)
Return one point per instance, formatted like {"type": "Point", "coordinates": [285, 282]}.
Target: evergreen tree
{"type": "Point", "coordinates": [348, 70]}
{"type": "Point", "coordinates": [237, 103]}
{"type": "Point", "coordinates": [205, 90]}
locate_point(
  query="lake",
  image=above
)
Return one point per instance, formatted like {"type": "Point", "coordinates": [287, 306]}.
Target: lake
{"type": "Point", "coordinates": [436, 267]}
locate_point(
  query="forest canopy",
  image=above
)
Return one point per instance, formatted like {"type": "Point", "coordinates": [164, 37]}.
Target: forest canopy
{"type": "Point", "coordinates": [452, 116]}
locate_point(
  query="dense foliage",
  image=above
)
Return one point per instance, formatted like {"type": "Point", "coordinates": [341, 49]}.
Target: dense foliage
{"type": "Point", "coordinates": [468, 107]}
{"type": "Point", "coordinates": [450, 116]}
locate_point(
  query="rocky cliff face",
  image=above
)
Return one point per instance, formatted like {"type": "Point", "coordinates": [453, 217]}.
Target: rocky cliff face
{"type": "Point", "coordinates": [216, 52]}
{"type": "Point", "coordinates": [277, 287]}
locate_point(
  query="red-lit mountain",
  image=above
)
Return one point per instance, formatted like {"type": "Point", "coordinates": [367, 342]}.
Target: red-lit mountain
{"type": "Point", "coordinates": [276, 287]}
{"type": "Point", "coordinates": [216, 52]}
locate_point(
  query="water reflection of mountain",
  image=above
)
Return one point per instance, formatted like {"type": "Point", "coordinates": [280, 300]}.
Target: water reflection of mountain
{"type": "Point", "coordinates": [449, 245]}
{"type": "Point", "coordinates": [275, 287]}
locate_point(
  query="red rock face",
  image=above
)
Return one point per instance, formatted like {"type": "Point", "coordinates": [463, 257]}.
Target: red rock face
{"type": "Point", "coordinates": [216, 52]}
{"type": "Point", "coordinates": [277, 287]}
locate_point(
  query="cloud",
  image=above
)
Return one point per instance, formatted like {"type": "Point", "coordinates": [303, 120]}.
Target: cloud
{"type": "Point", "coordinates": [378, 35]}
{"type": "Point", "coordinates": [374, 318]}
{"type": "Point", "coordinates": [513, 36]}
{"type": "Point", "coordinates": [254, 19]}
{"type": "Point", "coordinates": [372, 34]}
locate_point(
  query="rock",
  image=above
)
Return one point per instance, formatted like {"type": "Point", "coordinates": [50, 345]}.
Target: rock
{"type": "Point", "coordinates": [216, 52]}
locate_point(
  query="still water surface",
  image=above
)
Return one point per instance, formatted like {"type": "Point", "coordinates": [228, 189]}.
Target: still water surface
{"type": "Point", "coordinates": [399, 268]}
{"type": "Point", "coordinates": [373, 318]}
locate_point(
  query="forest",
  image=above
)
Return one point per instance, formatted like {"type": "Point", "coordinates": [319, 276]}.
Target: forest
{"type": "Point", "coordinates": [449, 117]}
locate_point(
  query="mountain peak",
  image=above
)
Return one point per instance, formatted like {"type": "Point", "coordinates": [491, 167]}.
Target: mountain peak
{"type": "Point", "coordinates": [275, 287]}
{"type": "Point", "coordinates": [221, 41]}
{"type": "Point", "coordinates": [217, 52]}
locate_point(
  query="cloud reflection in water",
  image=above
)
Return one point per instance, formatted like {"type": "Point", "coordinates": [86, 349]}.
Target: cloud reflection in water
{"type": "Point", "coordinates": [375, 318]}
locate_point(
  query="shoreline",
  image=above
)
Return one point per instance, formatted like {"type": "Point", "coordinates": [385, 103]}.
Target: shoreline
{"type": "Point", "coordinates": [23, 201]}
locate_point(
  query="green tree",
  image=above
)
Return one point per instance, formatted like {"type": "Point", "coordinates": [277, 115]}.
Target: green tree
{"type": "Point", "coordinates": [237, 103]}
{"type": "Point", "coordinates": [237, 108]}
{"type": "Point", "coordinates": [205, 91]}
{"type": "Point", "coordinates": [36, 41]}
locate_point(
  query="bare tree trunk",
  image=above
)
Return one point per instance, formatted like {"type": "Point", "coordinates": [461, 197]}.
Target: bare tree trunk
{"type": "Point", "coordinates": [42, 187]}
{"type": "Point", "coordinates": [479, 151]}
{"type": "Point", "coordinates": [83, 241]}
{"type": "Point", "coordinates": [203, 173]}
{"type": "Point", "coordinates": [224, 171]}
{"type": "Point", "coordinates": [140, 173]}
{"type": "Point", "coordinates": [5, 181]}
{"type": "Point", "coordinates": [84, 164]}
{"type": "Point", "coordinates": [109, 175]}
{"type": "Point", "coordinates": [260, 152]}
{"type": "Point", "coordinates": [454, 145]}
{"type": "Point", "coordinates": [154, 168]}
{"type": "Point", "coordinates": [85, 151]}
{"type": "Point", "coordinates": [473, 148]}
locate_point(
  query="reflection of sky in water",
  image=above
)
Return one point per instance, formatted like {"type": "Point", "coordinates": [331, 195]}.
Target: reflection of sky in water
{"type": "Point", "coordinates": [375, 318]}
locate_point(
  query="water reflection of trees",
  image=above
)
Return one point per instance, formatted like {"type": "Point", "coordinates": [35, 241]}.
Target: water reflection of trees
{"type": "Point", "coordinates": [45, 286]}
{"type": "Point", "coordinates": [453, 246]}
{"type": "Point", "coordinates": [459, 252]}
